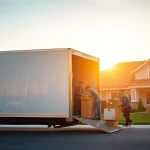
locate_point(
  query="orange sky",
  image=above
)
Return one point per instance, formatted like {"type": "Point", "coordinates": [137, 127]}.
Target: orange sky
{"type": "Point", "coordinates": [115, 30]}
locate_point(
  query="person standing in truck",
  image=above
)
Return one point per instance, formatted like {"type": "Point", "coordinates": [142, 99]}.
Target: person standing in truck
{"type": "Point", "coordinates": [96, 96]}
{"type": "Point", "coordinates": [79, 90]}
{"type": "Point", "coordinates": [126, 105]}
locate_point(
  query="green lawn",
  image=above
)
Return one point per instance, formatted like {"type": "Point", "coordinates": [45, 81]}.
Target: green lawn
{"type": "Point", "coordinates": [138, 118]}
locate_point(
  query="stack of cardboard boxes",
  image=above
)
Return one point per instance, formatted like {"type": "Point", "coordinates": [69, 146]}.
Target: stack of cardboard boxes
{"type": "Point", "coordinates": [112, 112]}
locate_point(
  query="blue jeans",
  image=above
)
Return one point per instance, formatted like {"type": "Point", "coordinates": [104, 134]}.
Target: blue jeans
{"type": "Point", "coordinates": [97, 110]}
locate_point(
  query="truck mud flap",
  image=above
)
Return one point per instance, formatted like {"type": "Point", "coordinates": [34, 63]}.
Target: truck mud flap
{"type": "Point", "coordinates": [98, 124]}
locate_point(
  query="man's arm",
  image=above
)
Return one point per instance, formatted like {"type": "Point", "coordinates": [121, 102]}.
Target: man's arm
{"type": "Point", "coordinates": [95, 94]}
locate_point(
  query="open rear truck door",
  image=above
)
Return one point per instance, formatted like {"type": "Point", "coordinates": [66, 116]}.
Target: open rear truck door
{"type": "Point", "coordinates": [86, 68]}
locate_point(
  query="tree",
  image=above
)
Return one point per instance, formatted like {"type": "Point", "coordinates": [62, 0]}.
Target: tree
{"type": "Point", "coordinates": [141, 106]}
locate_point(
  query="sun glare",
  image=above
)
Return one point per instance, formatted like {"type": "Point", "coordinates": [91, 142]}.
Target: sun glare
{"type": "Point", "coordinates": [106, 64]}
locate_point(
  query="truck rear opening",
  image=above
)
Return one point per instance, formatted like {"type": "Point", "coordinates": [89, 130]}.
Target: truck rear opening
{"type": "Point", "coordinates": [85, 70]}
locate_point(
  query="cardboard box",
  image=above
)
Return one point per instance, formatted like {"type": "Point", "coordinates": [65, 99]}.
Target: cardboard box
{"type": "Point", "coordinates": [87, 113]}
{"type": "Point", "coordinates": [112, 123]}
{"type": "Point", "coordinates": [113, 103]}
{"type": "Point", "coordinates": [87, 104]}
{"type": "Point", "coordinates": [109, 114]}
{"type": "Point", "coordinates": [112, 113]}
{"type": "Point", "coordinates": [87, 107]}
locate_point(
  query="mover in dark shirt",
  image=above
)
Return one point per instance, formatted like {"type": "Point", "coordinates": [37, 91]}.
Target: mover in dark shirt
{"type": "Point", "coordinates": [79, 90]}
{"type": "Point", "coordinates": [126, 105]}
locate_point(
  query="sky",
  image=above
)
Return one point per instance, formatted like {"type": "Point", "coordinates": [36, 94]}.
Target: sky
{"type": "Point", "coordinates": [113, 30]}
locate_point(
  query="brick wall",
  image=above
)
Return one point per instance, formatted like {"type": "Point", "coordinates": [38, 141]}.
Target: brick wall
{"type": "Point", "coordinates": [134, 105]}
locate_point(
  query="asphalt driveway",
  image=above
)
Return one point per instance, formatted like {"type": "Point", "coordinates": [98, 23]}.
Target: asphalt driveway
{"type": "Point", "coordinates": [75, 138]}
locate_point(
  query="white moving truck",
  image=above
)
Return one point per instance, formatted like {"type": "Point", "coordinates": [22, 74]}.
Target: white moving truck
{"type": "Point", "coordinates": [37, 86]}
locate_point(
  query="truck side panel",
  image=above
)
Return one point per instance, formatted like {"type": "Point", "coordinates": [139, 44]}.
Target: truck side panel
{"type": "Point", "coordinates": [34, 84]}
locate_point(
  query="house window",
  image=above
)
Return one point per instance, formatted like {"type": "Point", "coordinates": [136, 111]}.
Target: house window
{"type": "Point", "coordinates": [118, 94]}
{"type": "Point", "coordinates": [114, 95]}
{"type": "Point", "coordinates": [133, 95]}
{"type": "Point", "coordinates": [149, 73]}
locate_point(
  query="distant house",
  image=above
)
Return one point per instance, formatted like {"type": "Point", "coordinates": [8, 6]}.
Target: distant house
{"type": "Point", "coordinates": [133, 77]}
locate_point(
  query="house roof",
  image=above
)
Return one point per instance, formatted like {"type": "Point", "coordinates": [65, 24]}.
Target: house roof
{"type": "Point", "coordinates": [142, 65]}
{"type": "Point", "coordinates": [119, 76]}
{"type": "Point", "coordinates": [139, 82]}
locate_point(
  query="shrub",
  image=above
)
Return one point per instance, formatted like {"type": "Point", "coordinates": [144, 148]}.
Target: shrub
{"type": "Point", "coordinates": [134, 110]}
{"type": "Point", "coordinates": [141, 106]}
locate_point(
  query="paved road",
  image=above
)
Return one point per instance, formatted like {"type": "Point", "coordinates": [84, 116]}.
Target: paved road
{"type": "Point", "coordinates": [76, 139]}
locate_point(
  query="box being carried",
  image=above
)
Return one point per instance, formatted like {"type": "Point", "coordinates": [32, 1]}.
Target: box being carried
{"type": "Point", "coordinates": [112, 103]}
{"type": "Point", "coordinates": [87, 107]}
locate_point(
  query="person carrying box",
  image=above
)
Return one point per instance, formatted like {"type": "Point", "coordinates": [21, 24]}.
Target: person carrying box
{"type": "Point", "coordinates": [126, 105]}
{"type": "Point", "coordinates": [96, 96]}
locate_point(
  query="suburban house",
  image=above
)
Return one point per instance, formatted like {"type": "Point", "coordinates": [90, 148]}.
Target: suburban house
{"type": "Point", "coordinates": [133, 77]}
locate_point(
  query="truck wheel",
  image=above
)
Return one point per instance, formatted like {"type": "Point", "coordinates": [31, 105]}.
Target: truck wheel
{"type": "Point", "coordinates": [49, 125]}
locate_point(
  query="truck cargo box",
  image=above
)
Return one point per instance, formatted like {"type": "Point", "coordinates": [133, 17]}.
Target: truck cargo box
{"type": "Point", "coordinates": [37, 86]}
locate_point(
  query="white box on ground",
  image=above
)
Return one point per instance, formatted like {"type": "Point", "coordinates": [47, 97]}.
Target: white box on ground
{"type": "Point", "coordinates": [109, 114]}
